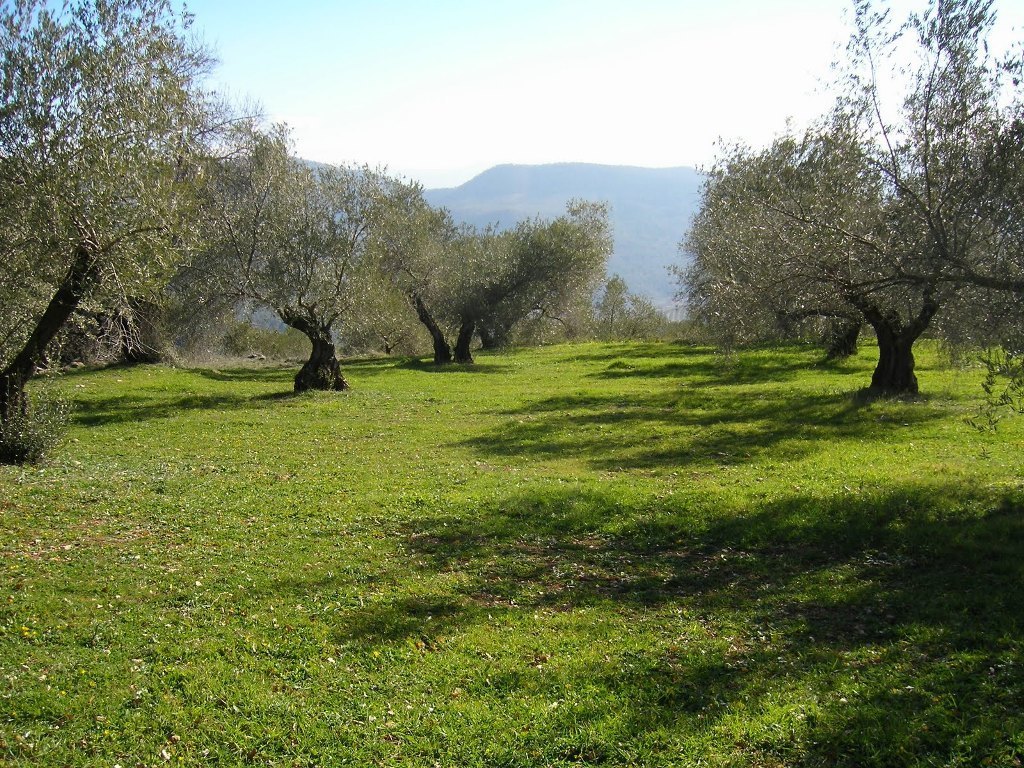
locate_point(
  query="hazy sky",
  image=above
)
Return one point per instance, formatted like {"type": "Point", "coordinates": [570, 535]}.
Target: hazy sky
{"type": "Point", "coordinates": [439, 90]}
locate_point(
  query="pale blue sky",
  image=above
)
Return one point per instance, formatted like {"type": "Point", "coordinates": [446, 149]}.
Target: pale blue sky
{"type": "Point", "coordinates": [440, 90]}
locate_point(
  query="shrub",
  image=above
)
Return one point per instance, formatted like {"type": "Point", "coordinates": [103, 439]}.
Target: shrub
{"type": "Point", "coordinates": [1003, 386]}
{"type": "Point", "coordinates": [27, 436]}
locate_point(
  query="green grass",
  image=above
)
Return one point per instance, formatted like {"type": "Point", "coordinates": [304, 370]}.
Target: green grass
{"type": "Point", "coordinates": [642, 555]}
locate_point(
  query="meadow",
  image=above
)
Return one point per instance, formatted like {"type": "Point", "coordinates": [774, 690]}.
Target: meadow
{"type": "Point", "coordinates": [601, 554]}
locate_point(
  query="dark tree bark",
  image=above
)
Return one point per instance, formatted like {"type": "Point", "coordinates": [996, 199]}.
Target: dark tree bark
{"type": "Point", "coordinates": [442, 350]}
{"type": "Point", "coordinates": [82, 275]}
{"type": "Point", "coordinates": [841, 338]}
{"type": "Point", "coordinates": [894, 373]}
{"type": "Point", "coordinates": [322, 371]}
{"type": "Point", "coordinates": [462, 352]}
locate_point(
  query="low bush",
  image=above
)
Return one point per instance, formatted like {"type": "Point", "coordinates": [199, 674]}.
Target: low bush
{"type": "Point", "coordinates": [27, 436]}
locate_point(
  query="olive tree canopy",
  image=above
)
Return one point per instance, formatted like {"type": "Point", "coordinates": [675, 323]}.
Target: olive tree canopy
{"type": "Point", "coordinates": [466, 282]}
{"type": "Point", "coordinates": [101, 118]}
{"type": "Point", "coordinates": [892, 210]}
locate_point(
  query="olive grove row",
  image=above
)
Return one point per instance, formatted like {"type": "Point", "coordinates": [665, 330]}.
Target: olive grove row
{"type": "Point", "coordinates": [127, 188]}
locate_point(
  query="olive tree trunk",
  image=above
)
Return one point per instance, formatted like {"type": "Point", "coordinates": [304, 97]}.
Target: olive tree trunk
{"type": "Point", "coordinates": [462, 352]}
{"type": "Point", "coordinates": [82, 275]}
{"type": "Point", "coordinates": [322, 371]}
{"type": "Point", "coordinates": [894, 373]}
{"type": "Point", "coordinates": [442, 350]}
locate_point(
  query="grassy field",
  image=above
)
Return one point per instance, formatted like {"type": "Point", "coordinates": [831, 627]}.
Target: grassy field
{"type": "Point", "coordinates": [642, 555]}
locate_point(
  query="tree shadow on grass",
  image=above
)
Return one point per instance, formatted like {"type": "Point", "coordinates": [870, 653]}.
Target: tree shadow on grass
{"type": "Point", "coordinates": [136, 408]}
{"type": "Point", "coordinates": [282, 374]}
{"type": "Point", "coordinates": [701, 364]}
{"type": "Point", "coordinates": [685, 427]}
{"type": "Point", "coordinates": [559, 544]}
{"type": "Point", "coordinates": [128, 408]}
{"type": "Point", "coordinates": [363, 368]}
{"type": "Point", "coordinates": [427, 365]}
{"type": "Point", "coordinates": [420, 618]}
{"type": "Point", "coordinates": [876, 628]}
{"type": "Point", "coordinates": [631, 350]}
{"type": "Point", "coordinates": [164, 404]}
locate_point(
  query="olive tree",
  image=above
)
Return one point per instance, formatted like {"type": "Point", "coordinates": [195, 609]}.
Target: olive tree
{"type": "Point", "coordinates": [538, 269]}
{"type": "Point", "coordinates": [621, 315]}
{"type": "Point", "coordinates": [380, 321]}
{"type": "Point", "coordinates": [101, 118]}
{"type": "Point", "coordinates": [419, 252]}
{"type": "Point", "coordinates": [462, 282]}
{"type": "Point", "coordinates": [292, 238]}
{"type": "Point", "coordinates": [801, 230]}
{"type": "Point", "coordinates": [887, 211]}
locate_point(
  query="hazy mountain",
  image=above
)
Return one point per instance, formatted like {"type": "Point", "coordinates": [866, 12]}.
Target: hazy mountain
{"type": "Point", "coordinates": [651, 209]}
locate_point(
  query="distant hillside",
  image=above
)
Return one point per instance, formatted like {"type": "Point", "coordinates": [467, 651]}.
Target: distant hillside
{"type": "Point", "coordinates": [651, 210]}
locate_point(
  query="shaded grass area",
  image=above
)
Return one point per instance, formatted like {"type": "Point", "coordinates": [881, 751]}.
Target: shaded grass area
{"type": "Point", "coordinates": [709, 411]}
{"type": "Point", "coordinates": [594, 555]}
{"type": "Point", "coordinates": [843, 592]}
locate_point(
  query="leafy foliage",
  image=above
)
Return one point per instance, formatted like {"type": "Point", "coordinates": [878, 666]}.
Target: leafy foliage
{"type": "Point", "coordinates": [102, 115]}
{"type": "Point", "coordinates": [870, 217]}
{"type": "Point", "coordinates": [538, 269]}
{"type": "Point", "coordinates": [31, 432]}
{"type": "Point", "coordinates": [464, 282]}
{"type": "Point", "coordinates": [622, 316]}
{"type": "Point", "coordinates": [419, 253]}
{"type": "Point", "coordinates": [289, 238]}
{"type": "Point", "coordinates": [1003, 387]}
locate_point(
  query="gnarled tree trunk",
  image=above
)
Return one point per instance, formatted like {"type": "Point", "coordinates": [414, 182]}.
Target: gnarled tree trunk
{"type": "Point", "coordinates": [82, 275]}
{"type": "Point", "coordinates": [894, 374]}
{"type": "Point", "coordinates": [322, 371]}
{"type": "Point", "coordinates": [466, 331]}
{"type": "Point", "coordinates": [442, 350]}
